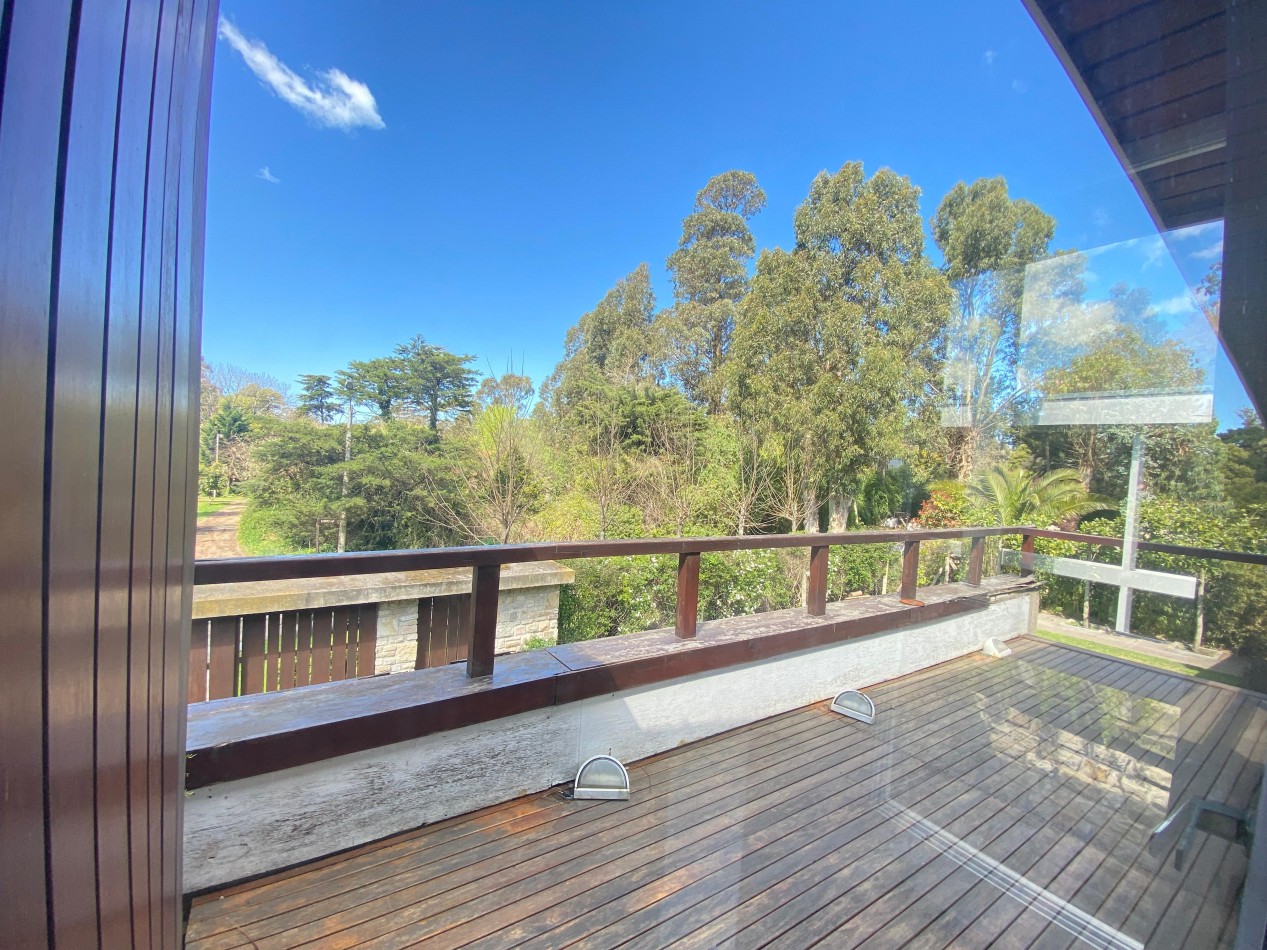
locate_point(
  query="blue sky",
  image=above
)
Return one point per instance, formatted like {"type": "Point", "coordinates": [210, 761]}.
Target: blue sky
{"type": "Point", "coordinates": [482, 173]}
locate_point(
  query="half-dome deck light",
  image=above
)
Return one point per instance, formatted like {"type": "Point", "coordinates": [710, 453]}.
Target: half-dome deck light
{"type": "Point", "coordinates": [993, 646]}
{"type": "Point", "coordinates": [855, 705]}
{"type": "Point", "coordinates": [601, 777]}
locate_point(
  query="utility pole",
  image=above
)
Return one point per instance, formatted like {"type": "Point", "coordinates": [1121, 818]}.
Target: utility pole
{"type": "Point", "coordinates": [347, 457]}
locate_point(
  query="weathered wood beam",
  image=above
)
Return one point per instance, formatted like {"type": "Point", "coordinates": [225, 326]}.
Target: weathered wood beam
{"type": "Point", "coordinates": [816, 590]}
{"type": "Point", "coordinates": [485, 581]}
{"type": "Point", "coordinates": [976, 560]}
{"type": "Point", "coordinates": [1027, 555]}
{"type": "Point", "coordinates": [910, 574]}
{"type": "Point", "coordinates": [687, 594]}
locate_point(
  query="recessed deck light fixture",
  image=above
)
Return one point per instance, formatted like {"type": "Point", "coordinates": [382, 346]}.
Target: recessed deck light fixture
{"type": "Point", "coordinates": [993, 646]}
{"type": "Point", "coordinates": [855, 705]}
{"type": "Point", "coordinates": [602, 777]}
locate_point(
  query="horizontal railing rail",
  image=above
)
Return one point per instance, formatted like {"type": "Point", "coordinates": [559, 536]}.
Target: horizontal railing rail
{"type": "Point", "coordinates": [486, 561]}
{"type": "Point", "coordinates": [1180, 550]}
{"type": "Point", "coordinates": [236, 570]}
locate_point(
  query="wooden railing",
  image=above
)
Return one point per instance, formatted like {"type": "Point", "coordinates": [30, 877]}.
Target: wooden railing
{"type": "Point", "coordinates": [486, 562]}
{"type": "Point", "coordinates": [1182, 550]}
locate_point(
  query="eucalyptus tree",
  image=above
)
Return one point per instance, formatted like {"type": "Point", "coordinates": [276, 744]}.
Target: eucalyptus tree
{"type": "Point", "coordinates": [986, 238]}
{"type": "Point", "coordinates": [710, 278]}
{"type": "Point", "coordinates": [835, 345]}
{"type": "Point", "coordinates": [613, 342]}
{"type": "Point", "coordinates": [510, 389]}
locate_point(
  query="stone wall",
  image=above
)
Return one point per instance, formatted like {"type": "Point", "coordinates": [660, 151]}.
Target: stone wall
{"type": "Point", "coordinates": [521, 613]}
{"type": "Point", "coordinates": [528, 605]}
{"type": "Point", "coordinates": [396, 645]}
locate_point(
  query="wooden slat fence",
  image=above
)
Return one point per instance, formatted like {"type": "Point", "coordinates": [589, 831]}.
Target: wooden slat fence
{"type": "Point", "coordinates": [443, 630]}
{"type": "Point", "coordinates": [265, 653]}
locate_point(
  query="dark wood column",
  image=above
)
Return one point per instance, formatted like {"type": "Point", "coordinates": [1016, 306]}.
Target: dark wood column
{"type": "Point", "coordinates": [103, 131]}
{"type": "Point", "coordinates": [1242, 326]}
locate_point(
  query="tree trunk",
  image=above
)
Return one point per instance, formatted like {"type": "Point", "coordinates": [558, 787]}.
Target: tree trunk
{"type": "Point", "coordinates": [838, 512]}
{"type": "Point", "coordinates": [963, 451]}
{"type": "Point", "coordinates": [810, 506]}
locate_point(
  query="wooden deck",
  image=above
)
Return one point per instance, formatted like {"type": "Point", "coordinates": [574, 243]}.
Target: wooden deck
{"type": "Point", "coordinates": [994, 802]}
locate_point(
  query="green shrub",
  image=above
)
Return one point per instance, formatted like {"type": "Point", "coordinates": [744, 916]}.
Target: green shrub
{"type": "Point", "coordinates": [258, 535]}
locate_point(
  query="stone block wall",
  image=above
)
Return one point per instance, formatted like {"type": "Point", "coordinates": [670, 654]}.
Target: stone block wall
{"type": "Point", "coordinates": [396, 644]}
{"type": "Point", "coordinates": [521, 613]}
{"type": "Point", "coordinates": [528, 605]}
{"type": "Point", "coordinates": [527, 612]}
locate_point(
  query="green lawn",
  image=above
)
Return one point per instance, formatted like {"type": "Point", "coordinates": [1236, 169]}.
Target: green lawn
{"type": "Point", "coordinates": [1161, 663]}
{"type": "Point", "coordinates": [207, 505]}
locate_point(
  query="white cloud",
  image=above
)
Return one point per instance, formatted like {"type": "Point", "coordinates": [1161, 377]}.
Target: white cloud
{"type": "Point", "coordinates": [268, 176]}
{"type": "Point", "coordinates": [1100, 218]}
{"type": "Point", "coordinates": [1212, 253]}
{"type": "Point", "coordinates": [1019, 86]}
{"type": "Point", "coordinates": [1153, 250]}
{"type": "Point", "coordinates": [989, 56]}
{"type": "Point", "coordinates": [1195, 230]}
{"type": "Point", "coordinates": [1174, 306]}
{"type": "Point", "coordinates": [335, 99]}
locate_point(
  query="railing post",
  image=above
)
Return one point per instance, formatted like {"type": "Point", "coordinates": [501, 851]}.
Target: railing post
{"type": "Point", "coordinates": [910, 575]}
{"type": "Point", "coordinates": [976, 558]}
{"type": "Point", "coordinates": [1027, 555]}
{"type": "Point", "coordinates": [687, 594]}
{"type": "Point", "coordinates": [482, 620]}
{"type": "Point", "coordinates": [816, 591]}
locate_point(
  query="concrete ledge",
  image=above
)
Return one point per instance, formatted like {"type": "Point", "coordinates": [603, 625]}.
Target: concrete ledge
{"type": "Point", "coordinates": [624, 696]}
{"type": "Point", "coordinates": [261, 597]}
{"type": "Point", "coordinates": [236, 738]}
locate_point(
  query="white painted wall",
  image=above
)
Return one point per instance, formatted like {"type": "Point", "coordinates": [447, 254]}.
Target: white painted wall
{"type": "Point", "coordinates": [240, 829]}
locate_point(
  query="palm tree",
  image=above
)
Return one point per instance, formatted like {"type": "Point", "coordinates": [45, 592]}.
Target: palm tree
{"type": "Point", "coordinates": [1016, 498]}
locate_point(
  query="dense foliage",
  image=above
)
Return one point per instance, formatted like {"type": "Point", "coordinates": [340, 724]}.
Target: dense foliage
{"type": "Point", "coordinates": [780, 390]}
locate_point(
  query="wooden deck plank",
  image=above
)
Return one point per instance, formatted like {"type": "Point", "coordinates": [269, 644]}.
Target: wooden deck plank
{"type": "Point", "coordinates": [752, 901]}
{"type": "Point", "coordinates": [1123, 874]}
{"type": "Point", "coordinates": [1148, 884]}
{"type": "Point", "coordinates": [623, 829]}
{"type": "Point", "coordinates": [1019, 848]}
{"type": "Point", "coordinates": [702, 754]}
{"type": "Point", "coordinates": [797, 829]}
{"type": "Point", "coordinates": [989, 914]}
{"type": "Point", "coordinates": [1205, 706]}
{"type": "Point", "coordinates": [508, 842]}
{"type": "Point", "coordinates": [1215, 866]}
{"type": "Point", "coordinates": [830, 916]}
{"type": "Point", "coordinates": [668, 886]}
{"type": "Point", "coordinates": [369, 863]}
